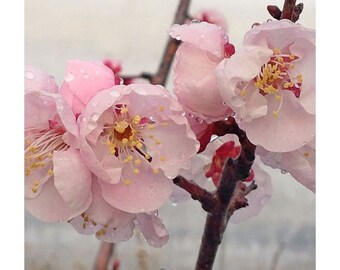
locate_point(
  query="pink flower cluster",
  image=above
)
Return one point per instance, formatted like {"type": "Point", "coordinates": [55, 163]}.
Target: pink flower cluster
{"type": "Point", "coordinates": [102, 155]}
{"type": "Point", "coordinates": [268, 85]}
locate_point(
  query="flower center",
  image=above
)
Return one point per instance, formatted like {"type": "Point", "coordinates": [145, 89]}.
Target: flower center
{"type": "Point", "coordinates": [126, 138]}
{"type": "Point", "coordinates": [39, 148]}
{"type": "Point", "coordinates": [277, 75]}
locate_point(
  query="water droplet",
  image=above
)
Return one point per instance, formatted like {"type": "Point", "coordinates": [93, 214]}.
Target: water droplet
{"type": "Point", "coordinates": [254, 25]}
{"type": "Point", "coordinates": [233, 114]}
{"type": "Point", "coordinates": [224, 104]}
{"type": "Point", "coordinates": [283, 171]}
{"type": "Point", "coordinates": [86, 76]}
{"type": "Point", "coordinates": [191, 115]}
{"type": "Point", "coordinates": [69, 77]}
{"type": "Point", "coordinates": [121, 81]}
{"type": "Point", "coordinates": [114, 93]}
{"type": "Point", "coordinates": [264, 200]}
{"type": "Point", "coordinates": [183, 113]}
{"type": "Point", "coordinates": [95, 116]}
{"type": "Point", "coordinates": [194, 21]}
{"type": "Point", "coordinates": [174, 204]}
{"type": "Point", "coordinates": [83, 119]}
{"type": "Point", "coordinates": [29, 75]}
{"type": "Point", "coordinates": [178, 37]}
{"type": "Point", "coordinates": [94, 103]}
{"type": "Point", "coordinates": [269, 20]}
{"type": "Point", "coordinates": [226, 38]}
{"type": "Point", "coordinates": [91, 125]}
{"type": "Point", "coordinates": [199, 120]}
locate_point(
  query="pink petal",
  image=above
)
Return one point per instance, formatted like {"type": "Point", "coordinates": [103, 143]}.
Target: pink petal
{"type": "Point", "coordinates": [72, 179]}
{"type": "Point", "coordinates": [84, 80]}
{"type": "Point", "coordinates": [152, 229]}
{"type": "Point", "coordinates": [146, 191]}
{"type": "Point", "coordinates": [49, 206]}
{"type": "Point", "coordinates": [292, 129]}
{"type": "Point", "coordinates": [38, 80]}
{"type": "Point", "coordinates": [206, 36]}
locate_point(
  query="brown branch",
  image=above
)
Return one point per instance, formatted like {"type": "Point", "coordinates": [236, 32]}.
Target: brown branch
{"type": "Point", "coordinates": [161, 75]}
{"type": "Point", "coordinates": [197, 193]}
{"type": "Point", "coordinates": [229, 194]}
{"type": "Point", "coordinates": [104, 255]}
{"type": "Point", "coordinates": [290, 11]}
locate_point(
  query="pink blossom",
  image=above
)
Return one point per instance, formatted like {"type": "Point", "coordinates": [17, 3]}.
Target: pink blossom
{"type": "Point", "coordinates": [57, 182]}
{"type": "Point", "coordinates": [270, 84]}
{"type": "Point", "coordinates": [83, 80]}
{"type": "Point", "coordinates": [134, 138]}
{"type": "Point", "coordinates": [202, 48]}
{"type": "Point", "coordinates": [300, 163]}
{"type": "Point", "coordinates": [113, 225]}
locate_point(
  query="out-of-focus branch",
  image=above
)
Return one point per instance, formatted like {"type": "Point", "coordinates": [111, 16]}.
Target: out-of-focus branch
{"type": "Point", "coordinates": [161, 75]}
{"type": "Point", "coordinates": [104, 255]}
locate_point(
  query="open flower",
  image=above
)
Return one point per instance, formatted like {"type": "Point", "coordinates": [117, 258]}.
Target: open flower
{"type": "Point", "coordinates": [300, 164]}
{"type": "Point", "coordinates": [203, 47]}
{"type": "Point", "coordinates": [83, 80]}
{"type": "Point", "coordinates": [134, 138]}
{"type": "Point", "coordinates": [270, 84]}
{"type": "Point", "coordinates": [57, 182]}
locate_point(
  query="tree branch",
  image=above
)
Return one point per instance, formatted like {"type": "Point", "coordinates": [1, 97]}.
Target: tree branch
{"type": "Point", "coordinates": [104, 255]}
{"type": "Point", "coordinates": [161, 75]}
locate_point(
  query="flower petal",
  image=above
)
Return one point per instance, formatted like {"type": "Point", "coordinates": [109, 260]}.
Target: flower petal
{"type": "Point", "coordinates": [72, 179]}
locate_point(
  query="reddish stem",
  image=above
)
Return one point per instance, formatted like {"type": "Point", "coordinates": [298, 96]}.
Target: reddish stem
{"type": "Point", "coordinates": [104, 255]}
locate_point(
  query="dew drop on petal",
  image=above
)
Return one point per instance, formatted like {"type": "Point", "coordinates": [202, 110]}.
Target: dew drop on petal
{"type": "Point", "coordinates": [69, 77]}
{"type": "Point", "coordinates": [95, 116]}
{"type": "Point", "coordinates": [283, 171]}
{"type": "Point", "coordinates": [254, 25]}
{"type": "Point", "coordinates": [174, 204]}
{"type": "Point", "coordinates": [29, 75]}
{"type": "Point", "coordinates": [195, 21]}
{"type": "Point", "coordinates": [121, 81]}
{"type": "Point", "coordinates": [91, 125]}
{"type": "Point", "coordinates": [178, 37]}
{"type": "Point", "coordinates": [83, 119]}
{"type": "Point", "coordinates": [191, 115]}
{"type": "Point", "coordinates": [183, 113]}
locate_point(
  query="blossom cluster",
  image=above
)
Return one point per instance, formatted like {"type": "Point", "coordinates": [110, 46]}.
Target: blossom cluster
{"type": "Point", "coordinates": [101, 153]}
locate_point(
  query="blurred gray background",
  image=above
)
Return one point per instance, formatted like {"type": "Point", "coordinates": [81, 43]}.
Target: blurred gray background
{"type": "Point", "coordinates": [135, 33]}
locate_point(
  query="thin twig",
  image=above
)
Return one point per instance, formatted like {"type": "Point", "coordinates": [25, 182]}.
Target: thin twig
{"type": "Point", "coordinates": [290, 11]}
{"type": "Point", "coordinates": [161, 75]}
{"type": "Point", "coordinates": [104, 255]}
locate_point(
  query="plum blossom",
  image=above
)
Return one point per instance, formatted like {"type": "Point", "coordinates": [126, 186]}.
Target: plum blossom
{"type": "Point", "coordinates": [113, 225]}
{"type": "Point", "coordinates": [57, 182]}
{"type": "Point", "coordinates": [83, 79]}
{"type": "Point", "coordinates": [203, 47]}
{"type": "Point", "coordinates": [300, 164]}
{"type": "Point", "coordinates": [270, 84]}
{"type": "Point", "coordinates": [134, 138]}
